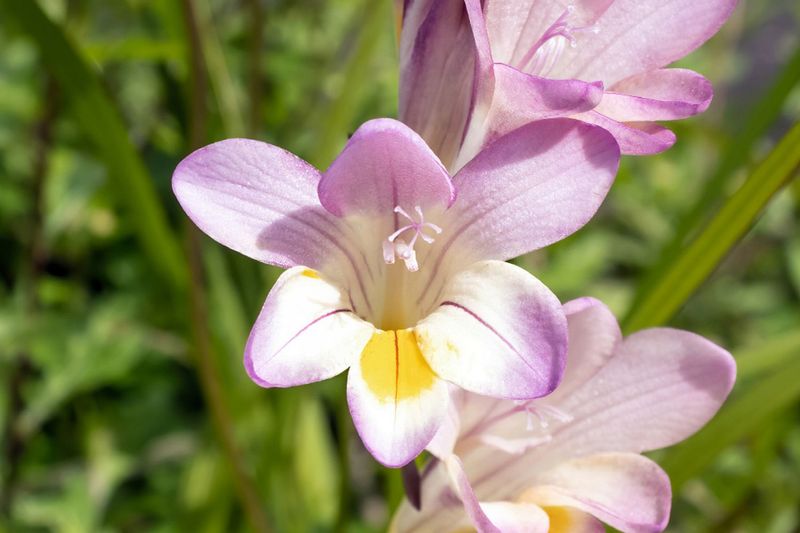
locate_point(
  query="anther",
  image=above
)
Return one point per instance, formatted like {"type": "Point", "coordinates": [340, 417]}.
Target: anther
{"type": "Point", "coordinates": [545, 52]}
{"type": "Point", "coordinates": [394, 246]}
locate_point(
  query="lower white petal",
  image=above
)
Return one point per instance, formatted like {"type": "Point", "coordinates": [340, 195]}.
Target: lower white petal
{"type": "Point", "coordinates": [396, 400]}
{"type": "Point", "coordinates": [306, 332]}
{"type": "Point", "coordinates": [497, 331]}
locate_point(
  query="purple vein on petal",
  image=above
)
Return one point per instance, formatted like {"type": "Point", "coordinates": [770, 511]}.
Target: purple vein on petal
{"type": "Point", "coordinates": [304, 328]}
{"type": "Point", "coordinates": [497, 333]}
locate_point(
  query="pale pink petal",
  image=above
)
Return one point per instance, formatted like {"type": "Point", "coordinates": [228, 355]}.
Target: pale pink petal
{"type": "Point", "coordinates": [396, 401]}
{"type": "Point", "coordinates": [441, 509]}
{"type": "Point", "coordinates": [444, 440]}
{"type": "Point", "coordinates": [259, 200]}
{"type": "Point", "coordinates": [634, 138]}
{"type": "Point", "coordinates": [463, 489]}
{"type": "Point", "coordinates": [665, 94]}
{"type": "Point", "coordinates": [511, 517]}
{"type": "Point", "coordinates": [660, 387]}
{"type": "Point", "coordinates": [306, 332]}
{"type": "Point", "coordinates": [515, 27]}
{"type": "Point", "coordinates": [437, 56]}
{"type": "Point", "coordinates": [593, 336]}
{"type": "Point", "coordinates": [497, 331]}
{"type": "Point", "coordinates": [635, 36]}
{"type": "Point", "coordinates": [384, 165]}
{"type": "Point", "coordinates": [625, 490]}
{"type": "Point", "coordinates": [520, 98]}
{"type": "Point", "coordinates": [530, 188]}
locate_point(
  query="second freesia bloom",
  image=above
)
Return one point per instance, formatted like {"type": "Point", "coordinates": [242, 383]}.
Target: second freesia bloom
{"type": "Point", "coordinates": [397, 272]}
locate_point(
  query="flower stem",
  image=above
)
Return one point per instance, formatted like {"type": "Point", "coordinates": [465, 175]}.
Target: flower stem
{"type": "Point", "coordinates": [207, 373]}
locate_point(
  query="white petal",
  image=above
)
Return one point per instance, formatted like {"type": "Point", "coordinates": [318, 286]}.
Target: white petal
{"type": "Point", "coordinates": [396, 400]}
{"type": "Point", "coordinates": [306, 332]}
{"type": "Point", "coordinates": [497, 331]}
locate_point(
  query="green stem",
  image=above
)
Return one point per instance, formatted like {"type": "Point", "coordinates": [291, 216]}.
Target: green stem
{"type": "Point", "coordinates": [705, 252]}
{"type": "Point", "coordinates": [736, 154]}
{"type": "Point", "coordinates": [208, 374]}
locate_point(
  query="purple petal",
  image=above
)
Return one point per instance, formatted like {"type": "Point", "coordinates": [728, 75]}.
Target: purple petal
{"type": "Point", "coordinates": [384, 165]}
{"type": "Point", "coordinates": [514, 27]}
{"type": "Point", "coordinates": [530, 188]}
{"type": "Point", "coordinates": [498, 331]}
{"type": "Point", "coordinates": [257, 199]}
{"type": "Point", "coordinates": [666, 94]}
{"type": "Point", "coordinates": [441, 508]}
{"type": "Point", "coordinates": [643, 138]}
{"type": "Point", "coordinates": [624, 490]}
{"type": "Point", "coordinates": [636, 36]}
{"type": "Point", "coordinates": [460, 484]}
{"type": "Point", "coordinates": [594, 335]}
{"type": "Point", "coordinates": [520, 98]}
{"type": "Point", "coordinates": [306, 332]}
{"type": "Point", "coordinates": [660, 387]}
{"type": "Point", "coordinates": [437, 58]}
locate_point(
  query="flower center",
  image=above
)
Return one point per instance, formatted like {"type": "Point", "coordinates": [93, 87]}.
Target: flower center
{"type": "Point", "coordinates": [396, 246]}
{"type": "Point", "coordinates": [544, 54]}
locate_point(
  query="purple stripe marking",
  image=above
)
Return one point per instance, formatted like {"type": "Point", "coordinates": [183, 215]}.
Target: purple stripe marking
{"type": "Point", "coordinates": [490, 328]}
{"type": "Point", "coordinates": [304, 328]}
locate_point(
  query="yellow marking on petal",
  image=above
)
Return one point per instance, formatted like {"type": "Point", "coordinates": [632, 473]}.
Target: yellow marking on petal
{"type": "Point", "coordinates": [310, 273]}
{"type": "Point", "coordinates": [561, 519]}
{"type": "Point", "coordinates": [393, 366]}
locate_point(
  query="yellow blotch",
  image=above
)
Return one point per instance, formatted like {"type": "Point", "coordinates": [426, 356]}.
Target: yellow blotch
{"type": "Point", "coordinates": [310, 273]}
{"type": "Point", "coordinates": [393, 366]}
{"type": "Point", "coordinates": [563, 519]}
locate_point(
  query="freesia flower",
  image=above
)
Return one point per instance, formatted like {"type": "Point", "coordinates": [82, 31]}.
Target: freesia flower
{"type": "Point", "coordinates": [472, 70]}
{"type": "Point", "coordinates": [396, 272]}
{"type": "Point", "coordinates": [571, 460]}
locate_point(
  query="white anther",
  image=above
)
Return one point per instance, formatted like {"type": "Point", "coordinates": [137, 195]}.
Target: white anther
{"type": "Point", "coordinates": [394, 246]}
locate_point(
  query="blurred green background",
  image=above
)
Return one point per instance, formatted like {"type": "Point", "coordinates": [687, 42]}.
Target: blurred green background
{"type": "Point", "coordinates": [123, 402]}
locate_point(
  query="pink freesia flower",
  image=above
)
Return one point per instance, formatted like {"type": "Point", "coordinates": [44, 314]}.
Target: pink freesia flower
{"type": "Point", "coordinates": [571, 460]}
{"type": "Point", "coordinates": [396, 272]}
{"type": "Point", "coordinates": [472, 70]}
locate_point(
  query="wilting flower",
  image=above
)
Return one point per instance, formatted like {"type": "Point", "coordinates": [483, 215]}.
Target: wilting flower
{"type": "Point", "coordinates": [570, 460]}
{"type": "Point", "coordinates": [396, 272]}
{"type": "Point", "coordinates": [472, 70]}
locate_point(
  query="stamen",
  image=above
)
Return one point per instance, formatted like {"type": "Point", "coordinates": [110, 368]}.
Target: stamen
{"type": "Point", "coordinates": [545, 414]}
{"type": "Point", "coordinates": [545, 53]}
{"type": "Point", "coordinates": [394, 246]}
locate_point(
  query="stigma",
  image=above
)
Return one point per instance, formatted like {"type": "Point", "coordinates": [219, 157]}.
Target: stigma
{"type": "Point", "coordinates": [396, 245]}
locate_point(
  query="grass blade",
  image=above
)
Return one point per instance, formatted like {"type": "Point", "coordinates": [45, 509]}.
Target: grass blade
{"type": "Point", "coordinates": [743, 415]}
{"type": "Point", "coordinates": [102, 124]}
{"type": "Point", "coordinates": [702, 255]}
{"type": "Point", "coordinates": [736, 154]}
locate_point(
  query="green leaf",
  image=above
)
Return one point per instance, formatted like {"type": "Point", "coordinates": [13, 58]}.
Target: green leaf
{"type": "Point", "coordinates": [101, 123]}
{"type": "Point", "coordinates": [315, 464]}
{"type": "Point", "coordinates": [740, 417]}
{"type": "Point", "coordinates": [768, 356]}
{"type": "Point", "coordinates": [736, 153]}
{"type": "Point", "coordinates": [679, 280]}
{"type": "Point", "coordinates": [355, 79]}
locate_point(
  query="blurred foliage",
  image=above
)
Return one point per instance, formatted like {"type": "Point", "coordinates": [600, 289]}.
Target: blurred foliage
{"type": "Point", "coordinates": [105, 424]}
